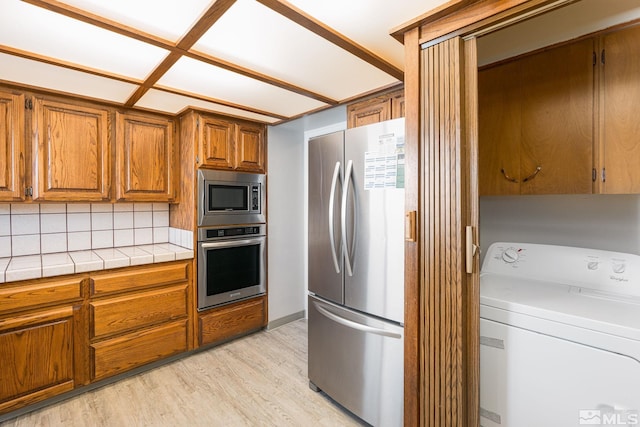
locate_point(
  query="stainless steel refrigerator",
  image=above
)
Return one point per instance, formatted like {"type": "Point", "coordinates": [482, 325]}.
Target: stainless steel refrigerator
{"type": "Point", "coordinates": [356, 269]}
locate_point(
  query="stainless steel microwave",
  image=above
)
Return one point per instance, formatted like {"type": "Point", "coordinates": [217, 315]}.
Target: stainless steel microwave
{"type": "Point", "coordinates": [229, 198]}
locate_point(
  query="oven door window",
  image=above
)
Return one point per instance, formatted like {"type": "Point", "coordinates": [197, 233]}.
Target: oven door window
{"type": "Point", "coordinates": [228, 198]}
{"type": "Point", "coordinates": [232, 268]}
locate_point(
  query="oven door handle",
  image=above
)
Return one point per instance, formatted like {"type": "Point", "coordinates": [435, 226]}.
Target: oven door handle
{"type": "Point", "coordinates": [232, 243]}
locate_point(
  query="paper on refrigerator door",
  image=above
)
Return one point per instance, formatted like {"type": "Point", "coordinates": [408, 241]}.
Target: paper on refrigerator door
{"type": "Point", "coordinates": [384, 166]}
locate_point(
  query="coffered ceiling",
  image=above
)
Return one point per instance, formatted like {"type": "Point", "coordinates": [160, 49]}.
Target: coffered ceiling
{"type": "Point", "coordinates": [266, 60]}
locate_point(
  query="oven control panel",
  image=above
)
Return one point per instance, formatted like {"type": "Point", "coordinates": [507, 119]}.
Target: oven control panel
{"type": "Point", "coordinates": [217, 233]}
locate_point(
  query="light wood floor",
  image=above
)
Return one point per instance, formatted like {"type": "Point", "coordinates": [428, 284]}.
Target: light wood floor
{"type": "Point", "coordinates": [259, 380]}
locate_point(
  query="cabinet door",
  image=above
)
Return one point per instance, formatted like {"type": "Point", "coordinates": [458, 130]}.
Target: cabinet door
{"type": "Point", "coordinates": [397, 105]}
{"type": "Point", "coordinates": [250, 148]}
{"type": "Point", "coordinates": [364, 113]}
{"type": "Point", "coordinates": [216, 143]}
{"type": "Point", "coordinates": [73, 152]}
{"type": "Point", "coordinates": [144, 158]}
{"type": "Point", "coordinates": [557, 120]}
{"type": "Point", "coordinates": [499, 123]}
{"type": "Point", "coordinates": [620, 109]}
{"type": "Point", "coordinates": [11, 147]}
{"type": "Point", "coordinates": [37, 356]}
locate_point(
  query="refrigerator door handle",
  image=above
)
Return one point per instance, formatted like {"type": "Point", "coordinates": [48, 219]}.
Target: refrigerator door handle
{"type": "Point", "coordinates": [332, 194]}
{"type": "Point", "coordinates": [343, 218]}
{"type": "Point", "coordinates": [355, 325]}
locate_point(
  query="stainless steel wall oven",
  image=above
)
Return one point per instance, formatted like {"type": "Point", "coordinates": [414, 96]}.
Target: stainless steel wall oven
{"type": "Point", "coordinates": [231, 264]}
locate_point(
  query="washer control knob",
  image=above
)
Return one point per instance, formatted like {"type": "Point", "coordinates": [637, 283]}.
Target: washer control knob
{"type": "Point", "coordinates": [510, 255]}
{"type": "Point", "coordinates": [618, 267]}
{"type": "Point", "coordinates": [592, 265]}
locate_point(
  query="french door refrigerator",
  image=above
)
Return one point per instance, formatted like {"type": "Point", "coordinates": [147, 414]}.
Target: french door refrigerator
{"type": "Point", "coordinates": [356, 269]}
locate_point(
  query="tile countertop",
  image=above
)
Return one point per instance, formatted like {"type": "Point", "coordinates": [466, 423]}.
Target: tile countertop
{"type": "Point", "coordinates": [57, 264]}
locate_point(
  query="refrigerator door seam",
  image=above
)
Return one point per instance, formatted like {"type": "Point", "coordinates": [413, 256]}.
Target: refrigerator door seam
{"type": "Point", "coordinates": [355, 325]}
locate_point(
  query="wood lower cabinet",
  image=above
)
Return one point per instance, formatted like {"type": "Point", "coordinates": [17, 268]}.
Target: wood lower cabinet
{"type": "Point", "coordinates": [11, 146]}
{"type": "Point", "coordinates": [145, 158]}
{"type": "Point", "coordinates": [72, 148]}
{"type": "Point", "coordinates": [138, 315]}
{"type": "Point", "coordinates": [383, 107]}
{"type": "Point", "coordinates": [227, 144]}
{"type": "Point", "coordinates": [41, 340]}
{"type": "Point", "coordinates": [229, 321]}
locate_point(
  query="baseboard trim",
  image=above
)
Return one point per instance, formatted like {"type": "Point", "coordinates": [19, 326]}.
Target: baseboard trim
{"type": "Point", "coordinates": [286, 319]}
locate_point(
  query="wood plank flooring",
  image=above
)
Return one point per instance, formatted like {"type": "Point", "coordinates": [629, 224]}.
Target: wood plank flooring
{"type": "Point", "coordinates": [258, 380]}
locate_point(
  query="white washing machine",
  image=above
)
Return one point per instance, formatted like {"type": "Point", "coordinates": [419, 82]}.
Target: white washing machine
{"type": "Point", "coordinates": [559, 337]}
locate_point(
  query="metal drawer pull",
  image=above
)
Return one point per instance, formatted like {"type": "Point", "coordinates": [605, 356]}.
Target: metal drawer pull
{"type": "Point", "coordinates": [507, 177]}
{"type": "Point", "coordinates": [533, 175]}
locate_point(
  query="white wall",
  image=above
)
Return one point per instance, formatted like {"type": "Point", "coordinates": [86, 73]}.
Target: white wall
{"type": "Point", "coordinates": [608, 222]}
{"type": "Point", "coordinates": [286, 192]}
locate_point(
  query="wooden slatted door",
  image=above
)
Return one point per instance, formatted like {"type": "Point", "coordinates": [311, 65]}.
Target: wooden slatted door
{"type": "Point", "coordinates": [445, 294]}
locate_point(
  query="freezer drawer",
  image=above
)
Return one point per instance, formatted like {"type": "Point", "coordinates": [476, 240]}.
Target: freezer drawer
{"type": "Point", "coordinates": [358, 361]}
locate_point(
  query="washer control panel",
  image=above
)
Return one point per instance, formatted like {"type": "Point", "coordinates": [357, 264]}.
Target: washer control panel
{"type": "Point", "coordinates": [604, 271]}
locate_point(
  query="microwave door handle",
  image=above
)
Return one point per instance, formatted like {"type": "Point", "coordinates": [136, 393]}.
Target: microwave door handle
{"type": "Point", "coordinates": [332, 197]}
{"type": "Point", "coordinates": [343, 218]}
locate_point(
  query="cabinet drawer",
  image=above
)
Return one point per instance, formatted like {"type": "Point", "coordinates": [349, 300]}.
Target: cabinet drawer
{"type": "Point", "coordinates": [126, 352]}
{"type": "Point", "coordinates": [229, 321]}
{"type": "Point", "coordinates": [114, 315]}
{"type": "Point", "coordinates": [140, 278]}
{"type": "Point", "coordinates": [35, 294]}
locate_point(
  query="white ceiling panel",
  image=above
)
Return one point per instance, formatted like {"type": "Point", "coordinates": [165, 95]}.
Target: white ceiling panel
{"type": "Point", "coordinates": [255, 37]}
{"type": "Point", "coordinates": [369, 22]}
{"type": "Point", "coordinates": [169, 19]}
{"type": "Point", "coordinates": [214, 82]}
{"type": "Point", "coordinates": [37, 30]}
{"type": "Point", "coordinates": [172, 103]}
{"type": "Point", "coordinates": [33, 73]}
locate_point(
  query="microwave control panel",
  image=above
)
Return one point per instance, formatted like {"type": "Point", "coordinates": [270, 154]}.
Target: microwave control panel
{"type": "Point", "coordinates": [255, 198]}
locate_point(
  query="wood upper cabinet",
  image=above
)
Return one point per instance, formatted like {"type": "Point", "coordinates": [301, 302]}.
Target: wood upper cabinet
{"type": "Point", "coordinates": [145, 158]}
{"type": "Point", "coordinates": [536, 123]}
{"type": "Point", "coordinates": [11, 147]}
{"type": "Point", "coordinates": [619, 165]}
{"type": "Point", "coordinates": [231, 145]}
{"type": "Point", "coordinates": [72, 152]}
{"type": "Point", "coordinates": [384, 107]}
{"type": "Point", "coordinates": [217, 143]}
{"type": "Point", "coordinates": [250, 148]}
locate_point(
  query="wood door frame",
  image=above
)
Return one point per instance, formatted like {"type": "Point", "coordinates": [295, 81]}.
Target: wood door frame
{"type": "Point", "coordinates": [465, 20]}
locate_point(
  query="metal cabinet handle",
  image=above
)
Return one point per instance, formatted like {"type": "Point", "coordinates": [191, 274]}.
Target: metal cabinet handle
{"type": "Point", "coordinates": [355, 325]}
{"type": "Point", "coordinates": [507, 177]}
{"type": "Point", "coordinates": [334, 183]}
{"type": "Point", "coordinates": [533, 175]}
{"type": "Point", "coordinates": [343, 218]}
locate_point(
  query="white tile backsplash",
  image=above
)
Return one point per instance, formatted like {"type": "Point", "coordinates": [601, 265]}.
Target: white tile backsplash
{"type": "Point", "coordinates": [101, 239]}
{"type": "Point", "coordinates": [54, 242]}
{"type": "Point", "coordinates": [5, 225]}
{"type": "Point", "coordinates": [25, 224]}
{"type": "Point", "coordinates": [122, 220]}
{"type": "Point", "coordinates": [79, 222]}
{"type": "Point", "coordinates": [79, 241]}
{"type": "Point", "coordinates": [25, 208]}
{"type": "Point", "coordinates": [5, 246]}
{"type": "Point", "coordinates": [142, 219]}
{"type": "Point", "coordinates": [53, 223]}
{"type": "Point", "coordinates": [101, 221]}
{"type": "Point", "coordinates": [33, 229]}
{"type": "Point", "coordinates": [27, 244]}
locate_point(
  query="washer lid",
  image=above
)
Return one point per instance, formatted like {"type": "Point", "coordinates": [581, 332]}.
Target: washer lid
{"type": "Point", "coordinates": [568, 304]}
